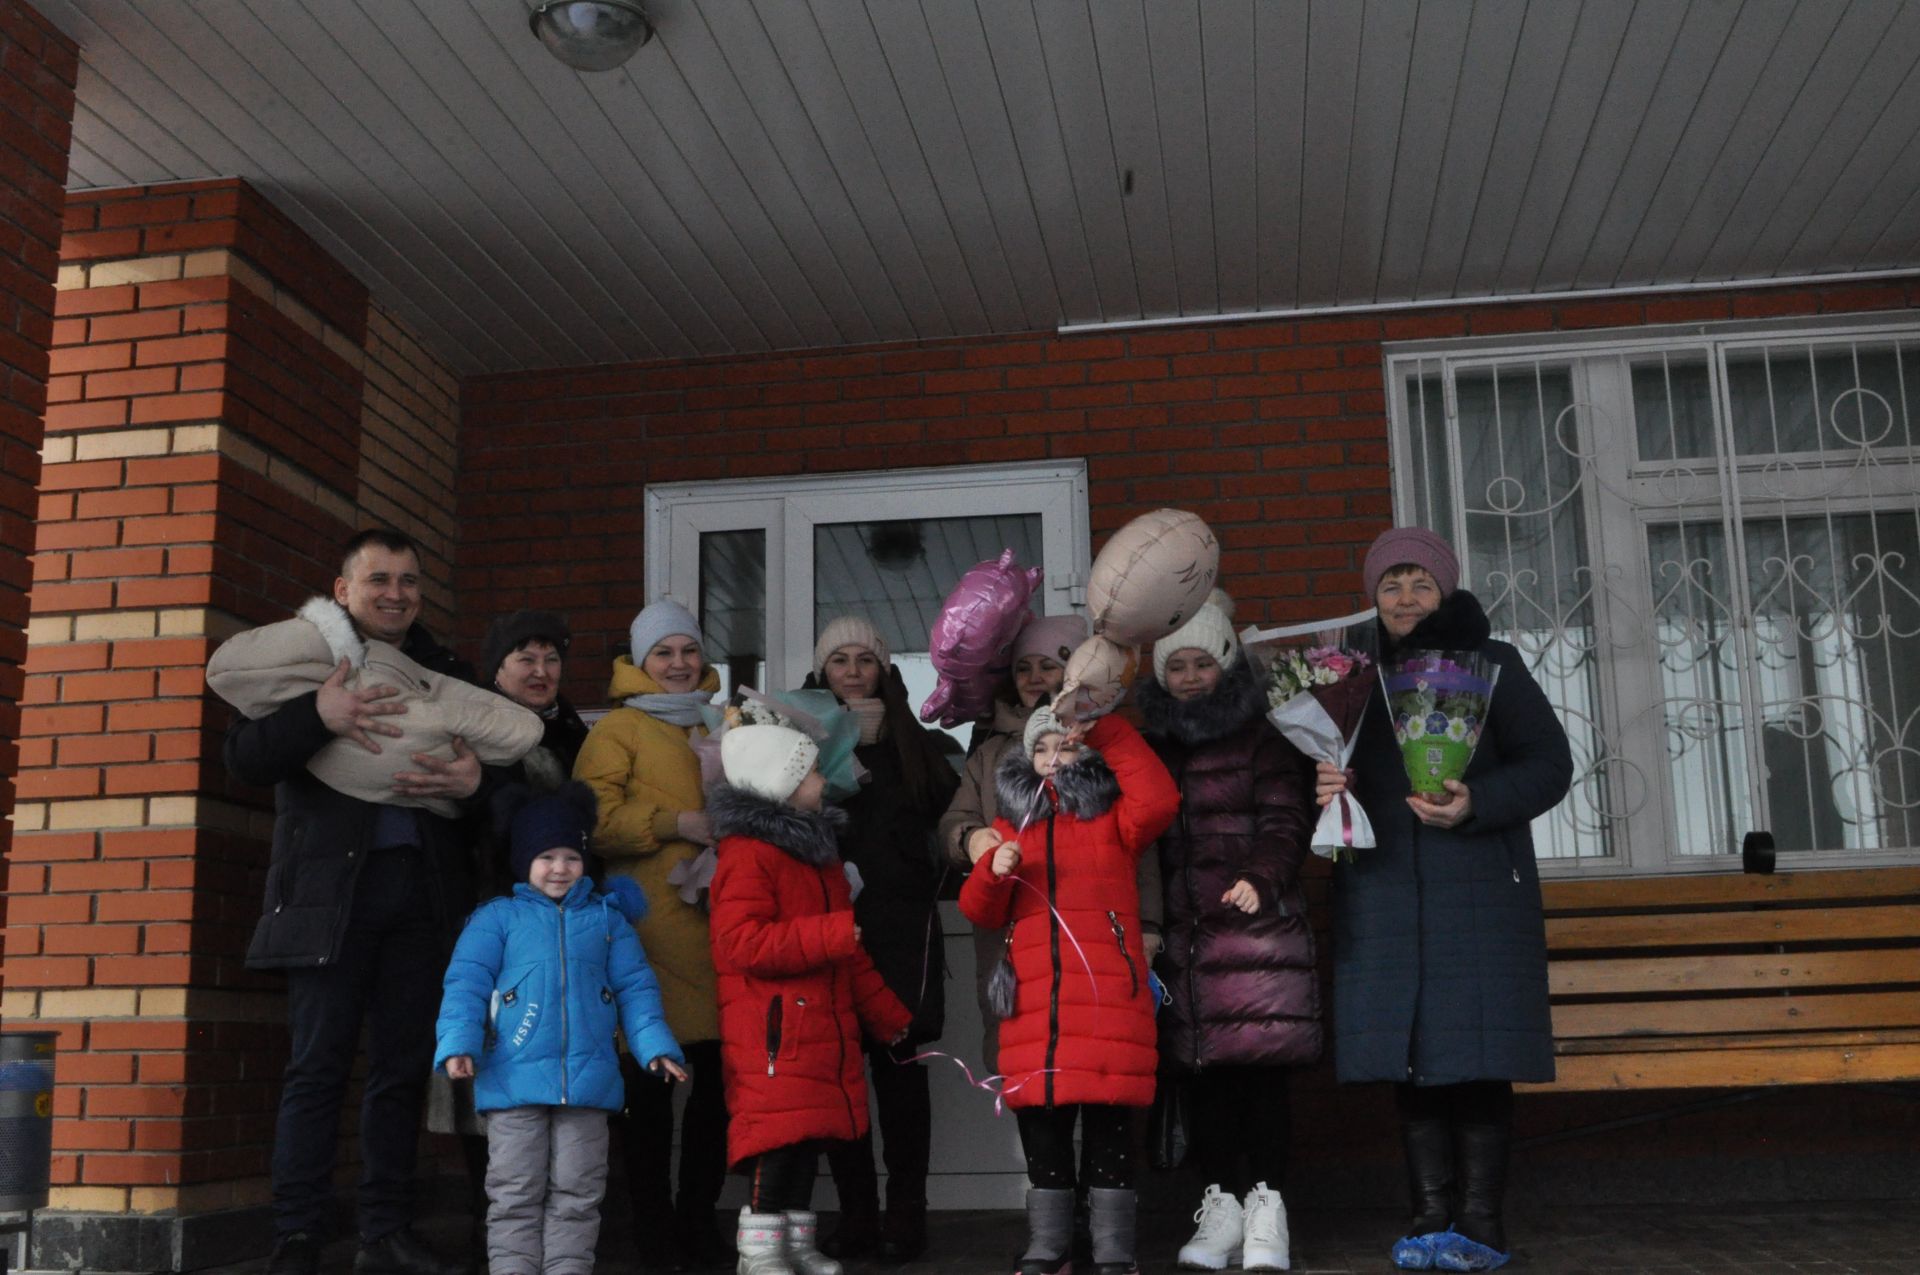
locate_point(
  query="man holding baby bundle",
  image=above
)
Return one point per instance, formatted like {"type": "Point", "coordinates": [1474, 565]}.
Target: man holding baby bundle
{"type": "Point", "coordinates": [368, 881]}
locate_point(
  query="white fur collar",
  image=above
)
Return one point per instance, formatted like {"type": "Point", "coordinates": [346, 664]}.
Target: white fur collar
{"type": "Point", "coordinates": [336, 626]}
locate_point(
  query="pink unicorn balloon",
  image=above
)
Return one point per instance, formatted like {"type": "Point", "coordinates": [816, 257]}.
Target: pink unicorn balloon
{"type": "Point", "coordinates": [972, 642]}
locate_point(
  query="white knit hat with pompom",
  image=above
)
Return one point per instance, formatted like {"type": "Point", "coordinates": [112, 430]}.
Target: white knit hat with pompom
{"type": "Point", "coordinates": [1210, 630]}
{"type": "Point", "coordinates": [770, 761]}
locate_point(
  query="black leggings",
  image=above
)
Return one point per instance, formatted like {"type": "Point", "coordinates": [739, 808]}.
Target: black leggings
{"type": "Point", "coordinates": [905, 1107]}
{"type": "Point", "coordinates": [1241, 1127]}
{"type": "Point", "coordinates": [783, 1177]}
{"type": "Point", "coordinates": [1046, 1135]}
{"type": "Point", "coordinates": [646, 1135]}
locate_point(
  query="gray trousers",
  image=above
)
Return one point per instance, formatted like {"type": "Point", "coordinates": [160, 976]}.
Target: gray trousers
{"type": "Point", "coordinates": [546, 1176]}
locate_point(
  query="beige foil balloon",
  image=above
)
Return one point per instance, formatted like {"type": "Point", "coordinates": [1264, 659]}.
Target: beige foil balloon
{"type": "Point", "coordinates": [1151, 576]}
{"type": "Point", "coordinates": [1098, 675]}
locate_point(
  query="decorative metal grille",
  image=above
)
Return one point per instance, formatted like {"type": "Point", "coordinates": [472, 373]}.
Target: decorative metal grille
{"type": "Point", "coordinates": [1709, 553]}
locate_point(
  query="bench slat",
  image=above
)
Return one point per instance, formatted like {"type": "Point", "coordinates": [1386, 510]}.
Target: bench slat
{"type": "Point", "coordinates": [1639, 893]}
{"type": "Point", "coordinates": [1731, 973]}
{"type": "Point", "coordinates": [1736, 1068]}
{"type": "Point", "coordinates": [1754, 1040]}
{"type": "Point", "coordinates": [1637, 1020]}
{"type": "Point", "coordinates": [1774, 925]}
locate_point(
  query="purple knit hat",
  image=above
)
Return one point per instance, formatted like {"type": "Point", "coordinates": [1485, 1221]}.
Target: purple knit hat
{"type": "Point", "coordinates": [1415, 547]}
{"type": "Point", "coordinates": [1053, 636]}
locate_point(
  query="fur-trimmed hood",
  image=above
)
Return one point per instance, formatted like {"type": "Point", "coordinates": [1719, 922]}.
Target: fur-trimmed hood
{"type": "Point", "coordinates": [1459, 623]}
{"type": "Point", "coordinates": [1087, 788]}
{"type": "Point", "coordinates": [811, 836]}
{"type": "Point", "coordinates": [336, 628]}
{"type": "Point", "coordinates": [1236, 700]}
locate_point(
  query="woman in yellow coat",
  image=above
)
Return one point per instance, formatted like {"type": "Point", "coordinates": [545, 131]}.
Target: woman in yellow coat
{"type": "Point", "coordinates": [640, 763]}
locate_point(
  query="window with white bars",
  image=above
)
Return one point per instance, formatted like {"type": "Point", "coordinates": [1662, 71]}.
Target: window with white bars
{"type": "Point", "coordinates": [1708, 548]}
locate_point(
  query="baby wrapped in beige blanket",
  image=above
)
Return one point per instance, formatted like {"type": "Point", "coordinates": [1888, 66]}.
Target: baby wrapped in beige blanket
{"type": "Point", "coordinates": [262, 669]}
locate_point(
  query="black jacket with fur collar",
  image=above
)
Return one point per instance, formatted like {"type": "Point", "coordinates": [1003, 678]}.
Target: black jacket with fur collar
{"type": "Point", "coordinates": [1237, 700]}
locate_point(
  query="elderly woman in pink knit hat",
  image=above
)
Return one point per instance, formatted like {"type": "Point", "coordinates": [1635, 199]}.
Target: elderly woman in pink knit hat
{"type": "Point", "coordinates": [1440, 962]}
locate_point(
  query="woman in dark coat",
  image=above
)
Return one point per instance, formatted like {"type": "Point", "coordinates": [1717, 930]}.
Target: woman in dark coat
{"type": "Point", "coordinates": [889, 842]}
{"type": "Point", "coordinates": [1440, 962]}
{"type": "Point", "coordinates": [1239, 954]}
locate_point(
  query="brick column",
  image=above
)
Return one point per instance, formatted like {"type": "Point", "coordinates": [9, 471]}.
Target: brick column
{"type": "Point", "coordinates": [37, 69]}
{"type": "Point", "coordinates": [225, 408]}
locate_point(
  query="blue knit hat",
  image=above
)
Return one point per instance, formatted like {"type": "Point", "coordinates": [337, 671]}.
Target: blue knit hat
{"type": "Point", "coordinates": [542, 822]}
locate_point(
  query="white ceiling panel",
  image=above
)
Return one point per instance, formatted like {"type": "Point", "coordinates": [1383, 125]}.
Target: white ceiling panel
{"type": "Point", "coordinates": [771, 174]}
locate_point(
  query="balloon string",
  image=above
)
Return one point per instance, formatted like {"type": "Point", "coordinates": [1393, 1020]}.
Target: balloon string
{"type": "Point", "coordinates": [995, 1084]}
{"type": "Point", "coordinates": [1068, 931]}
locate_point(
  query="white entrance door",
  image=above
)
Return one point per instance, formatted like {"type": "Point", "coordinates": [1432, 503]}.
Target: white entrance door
{"type": "Point", "coordinates": [766, 563]}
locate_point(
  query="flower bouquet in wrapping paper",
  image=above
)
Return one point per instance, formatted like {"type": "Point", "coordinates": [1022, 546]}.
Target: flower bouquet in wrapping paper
{"type": "Point", "coordinates": [1438, 700]}
{"type": "Point", "coordinates": [815, 714]}
{"type": "Point", "coordinates": [1316, 697]}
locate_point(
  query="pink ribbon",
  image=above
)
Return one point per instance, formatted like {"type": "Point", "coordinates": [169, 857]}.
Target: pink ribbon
{"type": "Point", "coordinates": [985, 1084]}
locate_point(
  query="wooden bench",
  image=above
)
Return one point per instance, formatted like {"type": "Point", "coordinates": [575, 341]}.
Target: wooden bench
{"type": "Point", "coordinates": [1735, 980]}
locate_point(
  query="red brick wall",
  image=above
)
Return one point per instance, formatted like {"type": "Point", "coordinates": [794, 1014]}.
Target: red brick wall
{"type": "Point", "coordinates": [211, 370]}
{"type": "Point", "coordinates": [37, 69]}
{"type": "Point", "coordinates": [1275, 432]}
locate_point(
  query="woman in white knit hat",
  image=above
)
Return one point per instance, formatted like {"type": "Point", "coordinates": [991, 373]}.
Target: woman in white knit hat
{"type": "Point", "coordinates": [640, 763]}
{"type": "Point", "coordinates": [889, 840]}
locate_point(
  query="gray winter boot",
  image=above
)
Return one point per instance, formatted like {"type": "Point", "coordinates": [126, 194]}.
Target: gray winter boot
{"type": "Point", "coordinates": [762, 1244]}
{"type": "Point", "coordinates": [1049, 1233]}
{"type": "Point", "coordinates": [802, 1256]}
{"type": "Point", "coordinates": [1112, 1231]}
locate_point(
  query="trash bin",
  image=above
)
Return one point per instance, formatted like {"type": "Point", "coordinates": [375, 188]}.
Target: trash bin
{"type": "Point", "coordinates": [26, 1119]}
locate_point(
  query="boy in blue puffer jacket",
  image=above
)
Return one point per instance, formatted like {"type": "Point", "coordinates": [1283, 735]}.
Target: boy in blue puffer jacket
{"type": "Point", "coordinates": [538, 983]}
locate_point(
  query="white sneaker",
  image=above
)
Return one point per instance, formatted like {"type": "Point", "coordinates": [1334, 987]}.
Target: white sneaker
{"type": "Point", "coordinates": [1265, 1244]}
{"type": "Point", "coordinates": [1216, 1244]}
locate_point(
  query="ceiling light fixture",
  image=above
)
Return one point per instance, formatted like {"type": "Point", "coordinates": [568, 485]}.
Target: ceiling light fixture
{"type": "Point", "coordinates": [591, 35]}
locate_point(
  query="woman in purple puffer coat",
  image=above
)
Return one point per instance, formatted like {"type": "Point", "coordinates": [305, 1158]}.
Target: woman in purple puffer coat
{"type": "Point", "coordinates": [1239, 955]}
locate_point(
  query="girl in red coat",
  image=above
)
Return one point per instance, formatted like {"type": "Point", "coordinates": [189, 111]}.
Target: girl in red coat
{"type": "Point", "coordinates": [795, 989]}
{"type": "Point", "coordinates": [1077, 1034]}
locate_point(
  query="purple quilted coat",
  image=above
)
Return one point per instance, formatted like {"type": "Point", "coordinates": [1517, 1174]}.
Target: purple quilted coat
{"type": "Point", "coordinates": [1243, 986]}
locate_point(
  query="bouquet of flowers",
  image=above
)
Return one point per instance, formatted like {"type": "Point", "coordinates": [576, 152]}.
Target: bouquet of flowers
{"type": "Point", "coordinates": [1316, 696]}
{"type": "Point", "coordinates": [1438, 700]}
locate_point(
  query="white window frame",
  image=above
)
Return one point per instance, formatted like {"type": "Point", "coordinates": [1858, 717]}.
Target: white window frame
{"type": "Point", "coordinates": [788, 509]}
{"type": "Point", "coordinates": [1642, 846]}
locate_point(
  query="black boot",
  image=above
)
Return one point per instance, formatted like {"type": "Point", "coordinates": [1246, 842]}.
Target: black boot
{"type": "Point", "coordinates": [903, 1237]}
{"type": "Point", "coordinates": [1429, 1147]}
{"type": "Point", "coordinates": [856, 1236]}
{"type": "Point", "coordinates": [295, 1254]}
{"type": "Point", "coordinates": [1480, 1149]}
{"type": "Point", "coordinates": [402, 1252]}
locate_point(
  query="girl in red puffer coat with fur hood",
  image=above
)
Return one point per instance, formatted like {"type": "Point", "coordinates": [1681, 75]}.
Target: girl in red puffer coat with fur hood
{"type": "Point", "coordinates": [1077, 1036]}
{"type": "Point", "coordinates": [796, 989]}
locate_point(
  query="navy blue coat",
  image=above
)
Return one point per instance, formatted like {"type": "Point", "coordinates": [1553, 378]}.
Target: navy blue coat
{"type": "Point", "coordinates": [1439, 951]}
{"type": "Point", "coordinates": [533, 995]}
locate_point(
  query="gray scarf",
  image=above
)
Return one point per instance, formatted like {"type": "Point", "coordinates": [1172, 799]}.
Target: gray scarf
{"type": "Point", "coordinates": [681, 709]}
